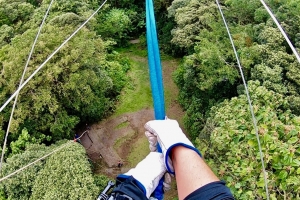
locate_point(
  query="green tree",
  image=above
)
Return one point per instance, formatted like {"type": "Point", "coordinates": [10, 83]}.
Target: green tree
{"type": "Point", "coordinates": [241, 11]}
{"type": "Point", "coordinates": [233, 148]}
{"type": "Point", "coordinates": [20, 185]}
{"type": "Point", "coordinates": [101, 181]}
{"type": "Point", "coordinates": [209, 72]}
{"type": "Point", "coordinates": [273, 66]}
{"type": "Point", "coordinates": [115, 24]}
{"type": "Point", "coordinates": [20, 144]}
{"type": "Point", "coordinates": [79, 83]}
{"type": "Point", "coordinates": [66, 175]}
{"type": "Point", "coordinates": [191, 18]}
{"type": "Point", "coordinates": [13, 12]}
{"type": "Point", "coordinates": [6, 34]}
{"type": "Point", "coordinates": [288, 15]}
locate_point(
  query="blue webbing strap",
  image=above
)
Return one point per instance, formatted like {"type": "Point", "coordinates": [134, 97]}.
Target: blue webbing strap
{"type": "Point", "coordinates": [156, 79]}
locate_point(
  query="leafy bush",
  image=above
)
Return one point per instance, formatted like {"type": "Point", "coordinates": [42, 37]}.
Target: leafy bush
{"type": "Point", "coordinates": [12, 12]}
{"type": "Point", "coordinates": [66, 175]}
{"type": "Point", "coordinates": [101, 182]}
{"type": "Point", "coordinates": [233, 148]}
{"type": "Point", "coordinates": [114, 25]}
{"type": "Point", "coordinates": [20, 185]}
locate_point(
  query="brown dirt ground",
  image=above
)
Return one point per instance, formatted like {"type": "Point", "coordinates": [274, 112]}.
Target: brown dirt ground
{"type": "Point", "coordinates": [109, 141]}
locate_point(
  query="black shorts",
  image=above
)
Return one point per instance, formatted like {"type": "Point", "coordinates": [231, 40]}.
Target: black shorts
{"type": "Point", "coordinates": [215, 190]}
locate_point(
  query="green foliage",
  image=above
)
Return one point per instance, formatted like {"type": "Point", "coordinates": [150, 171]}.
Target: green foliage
{"type": "Point", "coordinates": [66, 175]}
{"type": "Point", "coordinates": [20, 185]}
{"type": "Point", "coordinates": [80, 83]}
{"type": "Point", "coordinates": [191, 17]}
{"type": "Point", "coordinates": [20, 144]}
{"type": "Point", "coordinates": [6, 33]}
{"type": "Point", "coordinates": [83, 81]}
{"type": "Point", "coordinates": [242, 14]}
{"type": "Point", "coordinates": [135, 10]}
{"type": "Point", "coordinates": [288, 15]}
{"type": "Point", "coordinates": [274, 67]}
{"type": "Point", "coordinates": [137, 94]}
{"type": "Point", "coordinates": [13, 12]}
{"type": "Point", "coordinates": [209, 74]}
{"type": "Point", "coordinates": [101, 182]}
{"type": "Point", "coordinates": [114, 24]}
{"type": "Point", "coordinates": [77, 7]}
{"type": "Point", "coordinates": [67, 19]}
{"type": "Point", "coordinates": [204, 78]}
{"type": "Point", "coordinates": [233, 146]}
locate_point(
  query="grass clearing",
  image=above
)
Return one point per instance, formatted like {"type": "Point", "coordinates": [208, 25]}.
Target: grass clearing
{"type": "Point", "coordinates": [122, 125]}
{"type": "Point", "coordinates": [135, 49]}
{"type": "Point", "coordinates": [139, 150]}
{"type": "Point", "coordinates": [137, 94]}
{"type": "Point", "coordinates": [120, 141]}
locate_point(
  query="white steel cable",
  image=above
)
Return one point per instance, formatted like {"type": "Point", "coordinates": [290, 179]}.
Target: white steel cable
{"type": "Point", "coordinates": [281, 30]}
{"type": "Point", "coordinates": [21, 81]}
{"type": "Point", "coordinates": [41, 158]}
{"type": "Point", "coordinates": [45, 62]}
{"type": "Point", "coordinates": [250, 104]}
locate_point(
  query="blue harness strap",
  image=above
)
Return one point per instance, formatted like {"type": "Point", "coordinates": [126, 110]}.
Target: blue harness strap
{"type": "Point", "coordinates": [156, 79]}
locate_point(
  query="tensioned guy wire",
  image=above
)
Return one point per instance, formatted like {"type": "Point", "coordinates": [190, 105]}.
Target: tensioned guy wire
{"type": "Point", "coordinates": [21, 81]}
{"type": "Point", "coordinates": [281, 30]}
{"type": "Point", "coordinates": [249, 101]}
{"type": "Point", "coordinates": [45, 62]}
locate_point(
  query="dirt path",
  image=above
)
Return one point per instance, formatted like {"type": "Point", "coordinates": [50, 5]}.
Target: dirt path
{"type": "Point", "coordinates": [114, 139]}
{"type": "Point", "coordinates": [102, 139]}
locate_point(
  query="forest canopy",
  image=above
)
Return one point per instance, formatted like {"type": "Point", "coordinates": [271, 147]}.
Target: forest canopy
{"type": "Point", "coordinates": [79, 84]}
{"type": "Point", "coordinates": [213, 95]}
{"type": "Point", "coordinates": [82, 83]}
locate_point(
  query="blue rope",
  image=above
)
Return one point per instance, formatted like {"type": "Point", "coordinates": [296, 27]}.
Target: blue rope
{"type": "Point", "coordinates": [154, 63]}
{"type": "Point", "coordinates": [156, 79]}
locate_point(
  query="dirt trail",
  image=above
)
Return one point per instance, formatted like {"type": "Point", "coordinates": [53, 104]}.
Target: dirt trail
{"type": "Point", "coordinates": [111, 140]}
{"type": "Point", "coordinates": [101, 139]}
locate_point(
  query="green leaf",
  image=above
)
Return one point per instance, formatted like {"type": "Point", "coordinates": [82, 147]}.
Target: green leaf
{"type": "Point", "coordinates": [261, 183]}
{"type": "Point", "coordinates": [293, 140]}
{"type": "Point", "coordinates": [238, 185]}
{"type": "Point", "coordinates": [283, 174]}
{"type": "Point", "coordinates": [296, 163]}
{"type": "Point", "coordinates": [251, 143]}
{"type": "Point", "coordinates": [229, 179]}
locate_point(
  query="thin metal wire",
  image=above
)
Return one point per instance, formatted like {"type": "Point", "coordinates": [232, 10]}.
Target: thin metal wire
{"type": "Point", "coordinates": [45, 62]}
{"type": "Point", "coordinates": [249, 101]}
{"type": "Point", "coordinates": [21, 81]}
{"type": "Point", "coordinates": [281, 30]}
